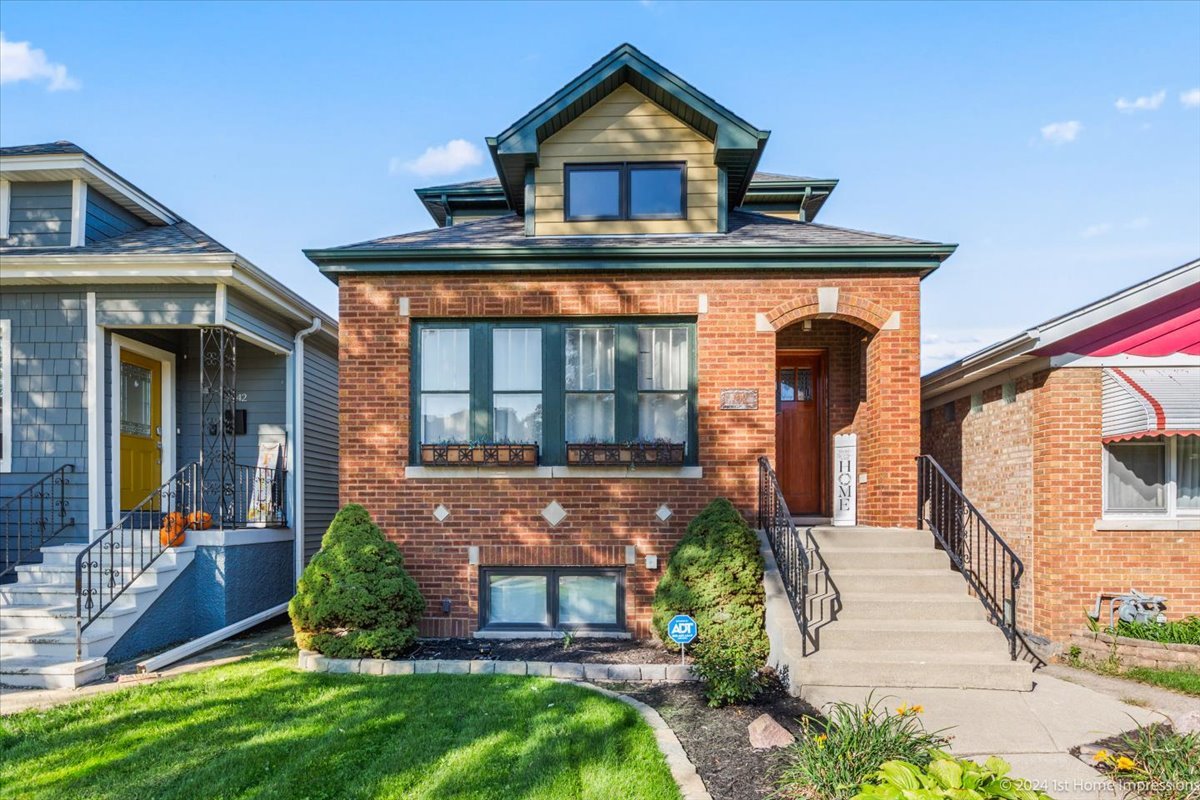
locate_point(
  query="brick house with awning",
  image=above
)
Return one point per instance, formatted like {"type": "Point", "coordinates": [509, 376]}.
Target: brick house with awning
{"type": "Point", "coordinates": [540, 393]}
{"type": "Point", "coordinates": [1080, 440]}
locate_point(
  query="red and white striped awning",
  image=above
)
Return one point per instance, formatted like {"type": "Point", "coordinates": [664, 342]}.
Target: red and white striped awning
{"type": "Point", "coordinates": [1145, 401]}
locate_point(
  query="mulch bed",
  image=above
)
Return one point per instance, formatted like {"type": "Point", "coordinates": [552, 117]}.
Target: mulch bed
{"type": "Point", "coordinates": [582, 651]}
{"type": "Point", "coordinates": [716, 739]}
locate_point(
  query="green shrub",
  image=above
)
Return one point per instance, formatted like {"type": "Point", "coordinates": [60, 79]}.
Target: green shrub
{"type": "Point", "coordinates": [1180, 631]}
{"type": "Point", "coordinates": [354, 599]}
{"type": "Point", "coordinates": [715, 575]}
{"type": "Point", "coordinates": [947, 777]}
{"type": "Point", "coordinates": [857, 741]}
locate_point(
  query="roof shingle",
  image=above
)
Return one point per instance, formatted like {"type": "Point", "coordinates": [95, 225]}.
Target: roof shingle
{"type": "Point", "coordinates": [182, 238]}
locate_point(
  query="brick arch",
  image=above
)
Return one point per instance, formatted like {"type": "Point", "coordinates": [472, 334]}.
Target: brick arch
{"type": "Point", "coordinates": [852, 308]}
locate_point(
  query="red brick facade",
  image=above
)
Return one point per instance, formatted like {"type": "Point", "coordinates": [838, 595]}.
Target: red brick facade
{"type": "Point", "coordinates": [874, 380]}
{"type": "Point", "coordinates": [1034, 467]}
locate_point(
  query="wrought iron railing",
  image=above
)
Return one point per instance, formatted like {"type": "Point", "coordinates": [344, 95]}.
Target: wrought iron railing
{"type": "Point", "coordinates": [34, 517]}
{"type": "Point", "coordinates": [991, 568]}
{"type": "Point", "coordinates": [258, 498]}
{"type": "Point", "coordinates": [791, 552]}
{"type": "Point", "coordinates": [107, 567]}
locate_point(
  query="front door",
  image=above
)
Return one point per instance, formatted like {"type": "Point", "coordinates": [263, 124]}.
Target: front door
{"type": "Point", "coordinates": [800, 431]}
{"type": "Point", "coordinates": [141, 427]}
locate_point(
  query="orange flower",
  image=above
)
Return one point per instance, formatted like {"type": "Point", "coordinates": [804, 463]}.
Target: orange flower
{"type": "Point", "coordinates": [1126, 764]}
{"type": "Point", "coordinates": [1101, 755]}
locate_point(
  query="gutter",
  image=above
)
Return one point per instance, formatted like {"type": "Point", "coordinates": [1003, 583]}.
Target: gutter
{"type": "Point", "coordinates": [298, 441]}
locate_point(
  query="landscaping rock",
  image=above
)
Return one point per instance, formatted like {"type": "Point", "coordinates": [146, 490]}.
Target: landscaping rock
{"type": "Point", "coordinates": [596, 672]}
{"type": "Point", "coordinates": [572, 672]}
{"type": "Point", "coordinates": [679, 672]}
{"type": "Point", "coordinates": [398, 668]}
{"type": "Point", "coordinates": [342, 665]}
{"type": "Point", "coordinates": [509, 667]}
{"type": "Point", "coordinates": [371, 666]}
{"type": "Point", "coordinates": [624, 672]}
{"type": "Point", "coordinates": [766, 733]}
{"type": "Point", "coordinates": [539, 668]}
{"type": "Point", "coordinates": [427, 667]}
{"type": "Point", "coordinates": [483, 667]}
{"type": "Point", "coordinates": [454, 667]}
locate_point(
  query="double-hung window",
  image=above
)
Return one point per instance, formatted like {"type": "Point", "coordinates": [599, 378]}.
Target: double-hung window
{"type": "Point", "coordinates": [445, 385]}
{"type": "Point", "coordinates": [630, 190]}
{"type": "Point", "coordinates": [517, 385]}
{"type": "Point", "coordinates": [590, 357]}
{"type": "Point", "coordinates": [555, 382]}
{"type": "Point", "coordinates": [1155, 476]}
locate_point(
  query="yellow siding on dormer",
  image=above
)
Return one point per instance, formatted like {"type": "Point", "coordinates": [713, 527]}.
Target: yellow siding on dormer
{"type": "Point", "coordinates": [625, 126]}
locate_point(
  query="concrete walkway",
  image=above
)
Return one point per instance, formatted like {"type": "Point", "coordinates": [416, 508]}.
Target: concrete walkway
{"type": "Point", "coordinates": [1034, 731]}
{"type": "Point", "coordinates": [122, 676]}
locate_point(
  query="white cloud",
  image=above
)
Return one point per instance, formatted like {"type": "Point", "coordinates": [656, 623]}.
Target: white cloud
{"type": "Point", "coordinates": [1062, 132]}
{"type": "Point", "coordinates": [940, 349]}
{"type": "Point", "coordinates": [1092, 231]}
{"type": "Point", "coordinates": [1190, 98]}
{"type": "Point", "coordinates": [19, 61]}
{"type": "Point", "coordinates": [1150, 102]}
{"type": "Point", "coordinates": [442, 159]}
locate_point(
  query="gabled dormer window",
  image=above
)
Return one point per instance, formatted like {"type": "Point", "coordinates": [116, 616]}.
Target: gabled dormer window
{"type": "Point", "coordinates": [630, 190]}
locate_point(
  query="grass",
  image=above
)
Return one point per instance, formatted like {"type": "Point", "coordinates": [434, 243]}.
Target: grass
{"type": "Point", "coordinates": [1180, 680]}
{"type": "Point", "coordinates": [262, 729]}
{"type": "Point", "coordinates": [1156, 763]}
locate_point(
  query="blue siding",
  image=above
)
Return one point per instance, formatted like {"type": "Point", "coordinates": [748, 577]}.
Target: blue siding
{"type": "Point", "coordinates": [40, 214]}
{"type": "Point", "coordinates": [221, 586]}
{"type": "Point", "coordinates": [243, 312]}
{"type": "Point", "coordinates": [49, 381]}
{"type": "Point", "coordinates": [160, 304]}
{"type": "Point", "coordinates": [105, 219]}
{"type": "Point", "coordinates": [320, 440]}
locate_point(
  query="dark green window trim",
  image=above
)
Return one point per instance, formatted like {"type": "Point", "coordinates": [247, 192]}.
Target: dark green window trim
{"type": "Point", "coordinates": [553, 450]}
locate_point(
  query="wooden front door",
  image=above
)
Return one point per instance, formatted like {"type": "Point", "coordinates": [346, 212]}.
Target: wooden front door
{"type": "Point", "coordinates": [800, 448]}
{"type": "Point", "coordinates": [141, 427]}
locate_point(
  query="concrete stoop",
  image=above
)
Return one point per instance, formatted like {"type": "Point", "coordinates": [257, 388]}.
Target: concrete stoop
{"type": "Point", "coordinates": [886, 609]}
{"type": "Point", "coordinates": [37, 619]}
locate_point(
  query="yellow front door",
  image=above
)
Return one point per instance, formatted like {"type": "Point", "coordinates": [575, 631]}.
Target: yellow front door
{"type": "Point", "coordinates": [141, 428]}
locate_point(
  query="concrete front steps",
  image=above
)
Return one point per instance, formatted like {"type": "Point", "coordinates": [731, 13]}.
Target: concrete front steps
{"type": "Point", "coordinates": [887, 610]}
{"type": "Point", "coordinates": [37, 618]}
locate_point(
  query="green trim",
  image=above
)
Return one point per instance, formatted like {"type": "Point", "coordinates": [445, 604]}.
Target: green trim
{"type": "Point", "coordinates": [648, 253]}
{"type": "Point", "coordinates": [722, 201]}
{"type": "Point", "coordinates": [530, 203]}
{"type": "Point", "coordinates": [554, 392]}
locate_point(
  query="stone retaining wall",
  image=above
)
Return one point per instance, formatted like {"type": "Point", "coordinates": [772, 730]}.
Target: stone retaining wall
{"type": "Point", "coordinates": [1136, 652]}
{"type": "Point", "coordinates": [572, 671]}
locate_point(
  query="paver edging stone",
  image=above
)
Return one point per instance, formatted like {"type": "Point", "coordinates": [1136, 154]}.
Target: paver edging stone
{"type": "Point", "coordinates": [567, 670]}
{"type": "Point", "coordinates": [683, 771]}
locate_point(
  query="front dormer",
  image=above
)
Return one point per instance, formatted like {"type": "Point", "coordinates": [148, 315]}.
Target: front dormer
{"type": "Point", "coordinates": [626, 148]}
{"type": "Point", "coordinates": [56, 195]}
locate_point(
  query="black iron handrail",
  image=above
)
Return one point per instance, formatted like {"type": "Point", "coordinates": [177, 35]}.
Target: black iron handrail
{"type": "Point", "coordinates": [110, 564]}
{"type": "Point", "coordinates": [989, 565]}
{"type": "Point", "coordinates": [791, 555]}
{"type": "Point", "coordinates": [35, 516]}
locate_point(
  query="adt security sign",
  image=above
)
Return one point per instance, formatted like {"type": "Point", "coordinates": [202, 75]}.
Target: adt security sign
{"type": "Point", "coordinates": [682, 629]}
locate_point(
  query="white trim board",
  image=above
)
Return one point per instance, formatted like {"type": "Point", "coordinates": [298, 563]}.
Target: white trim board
{"type": "Point", "coordinates": [95, 419]}
{"type": "Point", "coordinates": [169, 421]}
{"type": "Point", "coordinates": [6, 394]}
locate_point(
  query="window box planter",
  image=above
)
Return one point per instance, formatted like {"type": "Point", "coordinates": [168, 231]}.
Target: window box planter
{"type": "Point", "coordinates": [479, 455]}
{"type": "Point", "coordinates": [658, 454]}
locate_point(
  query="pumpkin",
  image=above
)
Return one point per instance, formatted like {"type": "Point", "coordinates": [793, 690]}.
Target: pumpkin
{"type": "Point", "coordinates": [199, 520]}
{"type": "Point", "coordinates": [171, 534]}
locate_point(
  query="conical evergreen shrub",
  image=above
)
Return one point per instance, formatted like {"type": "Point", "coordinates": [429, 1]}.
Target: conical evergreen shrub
{"type": "Point", "coordinates": [354, 599]}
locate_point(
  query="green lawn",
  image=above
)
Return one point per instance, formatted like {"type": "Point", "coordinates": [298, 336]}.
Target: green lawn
{"type": "Point", "coordinates": [262, 729]}
{"type": "Point", "coordinates": [1186, 681]}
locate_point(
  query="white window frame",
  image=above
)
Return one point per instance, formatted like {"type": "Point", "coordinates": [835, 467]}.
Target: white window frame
{"type": "Point", "coordinates": [6, 395]}
{"type": "Point", "coordinates": [1171, 508]}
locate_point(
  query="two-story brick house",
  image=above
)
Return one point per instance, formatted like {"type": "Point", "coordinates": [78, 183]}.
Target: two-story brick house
{"type": "Point", "coordinates": [538, 394]}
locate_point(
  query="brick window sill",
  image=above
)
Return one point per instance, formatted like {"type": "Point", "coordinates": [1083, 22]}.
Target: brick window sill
{"type": "Point", "coordinates": [552, 473]}
{"type": "Point", "coordinates": [1149, 524]}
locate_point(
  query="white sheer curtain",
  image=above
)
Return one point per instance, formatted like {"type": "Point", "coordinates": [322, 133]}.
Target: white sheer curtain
{"type": "Point", "coordinates": [590, 381]}
{"type": "Point", "coordinates": [517, 385]}
{"type": "Point", "coordinates": [1187, 472]}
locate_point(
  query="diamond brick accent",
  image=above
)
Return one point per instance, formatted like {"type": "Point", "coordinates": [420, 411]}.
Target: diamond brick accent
{"type": "Point", "coordinates": [554, 513]}
{"type": "Point", "coordinates": [441, 513]}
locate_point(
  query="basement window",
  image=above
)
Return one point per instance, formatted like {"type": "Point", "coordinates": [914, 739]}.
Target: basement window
{"type": "Point", "coordinates": [552, 598]}
{"type": "Point", "coordinates": [625, 191]}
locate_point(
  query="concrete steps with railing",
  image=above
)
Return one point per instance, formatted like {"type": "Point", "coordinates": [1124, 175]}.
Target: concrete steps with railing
{"type": "Point", "coordinates": [37, 616]}
{"type": "Point", "coordinates": [887, 610]}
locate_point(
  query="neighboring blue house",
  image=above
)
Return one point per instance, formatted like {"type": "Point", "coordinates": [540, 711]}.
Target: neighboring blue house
{"type": "Point", "coordinates": [153, 383]}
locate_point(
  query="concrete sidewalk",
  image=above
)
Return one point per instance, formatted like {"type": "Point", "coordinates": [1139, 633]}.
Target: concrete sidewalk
{"type": "Point", "coordinates": [1034, 731]}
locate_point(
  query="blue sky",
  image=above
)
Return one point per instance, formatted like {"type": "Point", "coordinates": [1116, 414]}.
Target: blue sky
{"type": "Point", "coordinates": [1057, 144]}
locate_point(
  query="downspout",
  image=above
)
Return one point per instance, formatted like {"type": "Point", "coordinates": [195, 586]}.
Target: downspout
{"type": "Point", "coordinates": [298, 441]}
